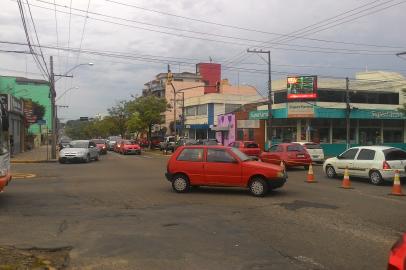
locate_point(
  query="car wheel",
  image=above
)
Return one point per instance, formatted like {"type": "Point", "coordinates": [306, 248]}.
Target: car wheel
{"type": "Point", "coordinates": [330, 172]}
{"type": "Point", "coordinates": [258, 187]}
{"type": "Point", "coordinates": [181, 183]}
{"type": "Point", "coordinates": [97, 158]}
{"type": "Point", "coordinates": [62, 161]}
{"type": "Point", "coordinates": [375, 178]}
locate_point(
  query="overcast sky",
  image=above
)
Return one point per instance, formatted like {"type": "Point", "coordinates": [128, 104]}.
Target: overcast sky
{"type": "Point", "coordinates": [139, 32]}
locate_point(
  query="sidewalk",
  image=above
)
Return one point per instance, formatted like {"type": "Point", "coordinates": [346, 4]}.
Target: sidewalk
{"type": "Point", "coordinates": [36, 155]}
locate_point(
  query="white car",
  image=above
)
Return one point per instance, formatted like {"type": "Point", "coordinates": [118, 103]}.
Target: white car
{"type": "Point", "coordinates": [80, 150]}
{"type": "Point", "coordinates": [315, 151]}
{"type": "Point", "coordinates": [378, 163]}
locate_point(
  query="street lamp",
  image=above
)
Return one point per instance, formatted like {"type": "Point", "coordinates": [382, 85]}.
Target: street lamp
{"type": "Point", "coordinates": [66, 91]}
{"type": "Point", "coordinates": [75, 67]}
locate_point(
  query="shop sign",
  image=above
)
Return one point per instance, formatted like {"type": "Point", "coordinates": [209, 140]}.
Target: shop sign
{"type": "Point", "coordinates": [247, 123]}
{"type": "Point", "coordinates": [258, 115]}
{"type": "Point", "coordinates": [387, 115]}
{"type": "Point", "coordinates": [300, 110]}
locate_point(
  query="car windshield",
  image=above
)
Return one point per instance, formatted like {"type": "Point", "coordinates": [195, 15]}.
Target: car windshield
{"type": "Point", "coordinates": [99, 141]}
{"type": "Point", "coordinates": [240, 154]}
{"type": "Point", "coordinates": [312, 146]}
{"type": "Point", "coordinates": [394, 154]}
{"type": "Point", "coordinates": [78, 144]}
{"type": "Point", "coordinates": [129, 142]}
{"type": "Point", "coordinates": [295, 148]}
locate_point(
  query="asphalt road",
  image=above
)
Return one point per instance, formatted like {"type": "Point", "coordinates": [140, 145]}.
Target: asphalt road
{"type": "Point", "coordinates": [121, 213]}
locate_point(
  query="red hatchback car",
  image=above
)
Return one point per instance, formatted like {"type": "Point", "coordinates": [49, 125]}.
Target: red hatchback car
{"type": "Point", "coordinates": [101, 145]}
{"type": "Point", "coordinates": [221, 166]}
{"type": "Point", "coordinates": [397, 257]}
{"type": "Point", "coordinates": [249, 148]}
{"type": "Point", "coordinates": [291, 154]}
{"type": "Point", "coordinates": [129, 147]}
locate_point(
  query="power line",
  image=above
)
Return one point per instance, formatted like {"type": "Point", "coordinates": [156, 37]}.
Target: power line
{"type": "Point", "coordinates": [352, 19]}
{"type": "Point", "coordinates": [83, 30]}
{"type": "Point", "coordinates": [163, 60]}
{"type": "Point", "coordinates": [37, 38]}
{"type": "Point", "coordinates": [57, 35]}
{"type": "Point", "coordinates": [248, 29]}
{"type": "Point", "coordinates": [321, 49]}
{"type": "Point", "coordinates": [36, 60]}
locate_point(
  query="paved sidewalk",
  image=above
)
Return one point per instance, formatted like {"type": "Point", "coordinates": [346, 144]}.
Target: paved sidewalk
{"type": "Point", "coordinates": [38, 154]}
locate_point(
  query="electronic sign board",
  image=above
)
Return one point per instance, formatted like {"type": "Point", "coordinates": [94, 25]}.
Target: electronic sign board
{"type": "Point", "coordinates": [302, 87]}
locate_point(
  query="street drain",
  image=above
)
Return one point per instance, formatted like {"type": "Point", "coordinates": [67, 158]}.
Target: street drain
{"type": "Point", "coordinates": [34, 258]}
{"type": "Point", "coordinates": [298, 204]}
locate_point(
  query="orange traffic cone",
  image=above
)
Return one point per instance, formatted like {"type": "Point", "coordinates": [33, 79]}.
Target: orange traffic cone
{"type": "Point", "coordinates": [310, 175]}
{"type": "Point", "coordinates": [397, 188]}
{"type": "Point", "coordinates": [346, 180]}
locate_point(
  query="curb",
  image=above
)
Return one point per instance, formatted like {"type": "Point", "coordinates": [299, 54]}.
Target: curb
{"type": "Point", "coordinates": [34, 161]}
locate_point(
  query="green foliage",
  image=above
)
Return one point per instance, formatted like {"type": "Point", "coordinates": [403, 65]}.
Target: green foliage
{"type": "Point", "coordinates": [126, 117]}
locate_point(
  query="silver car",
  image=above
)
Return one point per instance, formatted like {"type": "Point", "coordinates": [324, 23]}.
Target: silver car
{"type": "Point", "coordinates": [80, 150]}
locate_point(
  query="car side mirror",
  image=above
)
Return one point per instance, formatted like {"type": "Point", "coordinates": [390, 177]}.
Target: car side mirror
{"type": "Point", "coordinates": [91, 146]}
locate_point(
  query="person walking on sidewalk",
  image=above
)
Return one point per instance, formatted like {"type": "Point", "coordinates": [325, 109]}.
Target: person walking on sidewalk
{"type": "Point", "coordinates": [11, 145]}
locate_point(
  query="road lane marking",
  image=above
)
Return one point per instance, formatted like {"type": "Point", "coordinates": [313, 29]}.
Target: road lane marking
{"type": "Point", "coordinates": [22, 175]}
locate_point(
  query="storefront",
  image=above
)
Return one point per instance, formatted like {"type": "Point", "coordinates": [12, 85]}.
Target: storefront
{"type": "Point", "coordinates": [327, 126]}
{"type": "Point", "coordinates": [16, 122]}
{"type": "Point", "coordinates": [237, 127]}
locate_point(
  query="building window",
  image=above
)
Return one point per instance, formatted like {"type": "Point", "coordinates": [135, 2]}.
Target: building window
{"type": "Point", "coordinates": [240, 134]}
{"type": "Point", "coordinates": [251, 134]}
{"type": "Point", "coordinates": [202, 109]}
{"type": "Point", "coordinates": [229, 108]}
{"type": "Point", "coordinates": [190, 111]}
{"type": "Point", "coordinates": [369, 136]}
{"type": "Point", "coordinates": [392, 136]}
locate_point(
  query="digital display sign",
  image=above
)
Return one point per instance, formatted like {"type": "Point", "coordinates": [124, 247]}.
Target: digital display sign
{"type": "Point", "coordinates": [302, 87]}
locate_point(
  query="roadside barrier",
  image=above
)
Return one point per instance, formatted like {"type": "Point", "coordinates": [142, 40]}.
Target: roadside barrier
{"type": "Point", "coordinates": [346, 184]}
{"type": "Point", "coordinates": [396, 188]}
{"type": "Point", "coordinates": [310, 175]}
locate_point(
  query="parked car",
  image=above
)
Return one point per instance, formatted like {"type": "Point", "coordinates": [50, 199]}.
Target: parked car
{"type": "Point", "coordinates": [143, 142]}
{"type": "Point", "coordinates": [80, 150]}
{"type": "Point", "coordinates": [112, 140]}
{"type": "Point", "coordinates": [184, 142]}
{"type": "Point", "coordinates": [63, 143]}
{"type": "Point", "coordinates": [101, 144]}
{"type": "Point", "coordinates": [315, 151]}
{"type": "Point", "coordinates": [168, 143]}
{"type": "Point", "coordinates": [397, 256]}
{"type": "Point", "coordinates": [156, 140]}
{"type": "Point", "coordinates": [130, 147]}
{"type": "Point", "coordinates": [378, 163]}
{"type": "Point", "coordinates": [290, 154]}
{"type": "Point", "coordinates": [208, 142]}
{"type": "Point", "coordinates": [249, 148]}
{"type": "Point", "coordinates": [202, 165]}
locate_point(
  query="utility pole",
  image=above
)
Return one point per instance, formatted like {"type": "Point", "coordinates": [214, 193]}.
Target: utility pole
{"type": "Point", "coordinates": [348, 110]}
{"type": "Point", "coordinates": [169, 81]}
{"type": "Point", "coordinates": [53, 107]}
{"type": "Point", "coordinates": [270, 101]}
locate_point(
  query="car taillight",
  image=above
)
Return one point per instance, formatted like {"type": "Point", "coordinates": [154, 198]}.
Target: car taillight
{"type": "Point", "coordinates": [398, 244]}
{"type": "Point", "coordinates": [385, 165]}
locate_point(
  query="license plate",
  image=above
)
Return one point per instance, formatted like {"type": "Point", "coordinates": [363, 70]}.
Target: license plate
{"type": "Point", "coordinates": [300, 156]}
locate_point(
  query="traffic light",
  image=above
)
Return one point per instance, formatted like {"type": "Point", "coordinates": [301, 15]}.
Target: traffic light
{"type": "Point", "coordinates": [218, 85]}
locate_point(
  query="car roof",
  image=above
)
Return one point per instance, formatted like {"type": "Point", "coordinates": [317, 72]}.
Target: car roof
{"type": "Point", "coordinates": [376, 147]}
{"type": "Point", "coordinates": [286, 143]}
{"type": "Point", "coordinates": [81, 141]}
{"type": "Point", "coordinates": [207, 146]}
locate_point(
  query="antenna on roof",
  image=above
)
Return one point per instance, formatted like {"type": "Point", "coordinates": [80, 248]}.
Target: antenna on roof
{"type": "Point", "coordinates": [211, 60]}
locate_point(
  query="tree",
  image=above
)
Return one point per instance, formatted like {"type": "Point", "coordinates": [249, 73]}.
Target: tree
{"type": "Point", "coordinates": [135, 125]}
{"type": "Point", "coordinates": [149, 109]}
{"type": "Point", "coordinates": [119, 116]}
